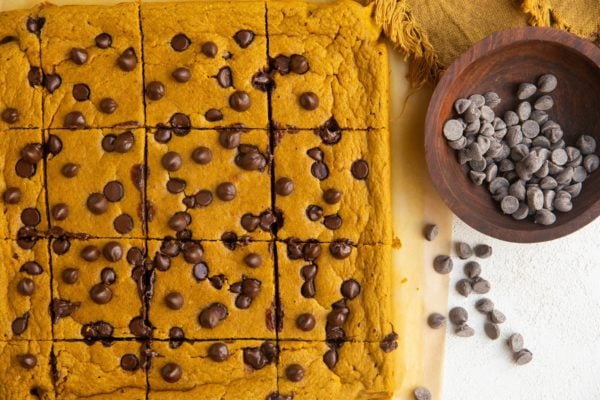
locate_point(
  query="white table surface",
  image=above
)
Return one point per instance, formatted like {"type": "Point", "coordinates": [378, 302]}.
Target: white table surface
{"type": "Point", "coordinates": [550, 293]}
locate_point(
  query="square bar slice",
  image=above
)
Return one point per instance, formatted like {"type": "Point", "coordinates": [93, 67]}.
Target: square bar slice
{"type": "Point", "coordinates": [25, 370]}
{"type": "Point", "coordinates": [209, 183]}
{"type": "Point", "coordinates": [316, 371]}
{"type": "Point", "coordinates": [328, 62]}
{"type": "Point", "coordinates": [96, 181]}
{"type": "Point", "coordinates": [334, 291]}
{"type": "Point", "coordinates": [25, 291]}
{"type": "Point", "coordinates": [100, 372]}
{"type": "Point", "coordinates": [96, 289]}
{"type": "Point", "coordinates": [201, 59]}
{"type": "Point", "coordinates": [22, 183]}
{"type": "Point", "coordinates": [335, 186]}
{"type": "Point", "coordinates": [20, 72]}
{"type": "Point", "coordinates": [92, 61]}
{"type": "Point", "coordinates": [225, 370]}
{"type": "Point", "coordinates": [194, 286]}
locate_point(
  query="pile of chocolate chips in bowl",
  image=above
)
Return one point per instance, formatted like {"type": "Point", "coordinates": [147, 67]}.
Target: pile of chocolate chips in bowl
{"type": "Point", "coordinates": [521, 158]}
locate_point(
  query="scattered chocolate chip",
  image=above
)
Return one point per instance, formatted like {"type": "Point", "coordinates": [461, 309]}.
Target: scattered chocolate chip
{"type": "Point", "coordinates": [97, 330]}
{"type": "Point", "coordinates": [253, 260]}
{"type": "Point", "coordinates": [299, 64]}
{"type": "Point", "coordinates": [217, 281]}
{"type": "Point", "coordinates": [61, 245]}
{"type": "Point", "coordinates": [200, 271]}
{"type": "Point", "coordinates": [360, 169]}
{"type": "Point", "coordinates": [203, 198]}
{"type": "Point", "coordinates": [250, 158]}
{"type": "Point", "coordinates": [19, 325]}
{"type": "Point", "coordinates": [332, 222]}
{"type": "Point", "coordinates": [319, 170]}
{"type": "Point", "coordinates": [35, 76]}
{"type": "Point", "coordinates": [515, 342]}
{"type": "Point", "coordinates": [442, 264]}
{"type": "Point", "coordinates": [481, 286]}
{"type": "Point", "coordinates": [35, 25]}
{"type": "Point", "coordinates": [306, 322]}
{"type": "Point", "coordinates": [332, 196]}
{"type": "Point", "coordinates": [458, 316]}
{"type": "Point", "coordinates": [340, 248]}
{"type": "Point", "coordinates": [314, 212]}
{"type": "Point", "coordinates": [10, 115]}
{"type": "Point", "coordinates": [315, 153]}
{"type": "Point", "coordinates": [27, 361]}
{"type": "Point", "coordinates": [430, 232]}
{"type": "Point", "coordinates": [284, 186]}
{"type": "Point", "coordinates": [463, 287]}
{"type": "Point", "coordinates": [294, 372]}
{"type": "Point", "coordinates": [108, 105]}
{"type": "Point", "coordinates": [213, 314]}
{"type": "Point", "coordinates": [176, 337]}
{"type": "Point", "coordinates": [171, 372]}
{"type": "Point", "coordinates": [263, 81]}
{"type": "Point", "coordinates": [240, 101]}
{"type": "Point", "coordinates": [350, 289]}
{"type": "Point", "coordinates": [330, 358]}
{"type": "Point", "coordinates": [54, 145]}
{"type": "Point", "coordinates": [463, 250]}
{"type": "Point", "coordinates": [213, 115]}
{"type": "Point", "coordinates": [464, 330]}
{"type": "Point", "coordinates": [60, 211]}
{"type": "Point", "coordinates": [97, 203]}
{"type": "Point", "coordinates": [63, 308]}
{"type": "Point", "coordinates": [138, 327]}
{"type": "Point", "coordinates": [523, 357]}
{"type": "Point", "coordinates": [26, 287]}
{"type": "Point", "coordinates": [483, 251]}
{"type": "Point", "coordinates": [123, 224]}
{"type": "Point", "coordinates": [484, 305]}
{"type": "Point", "coordinates": [130, 362]}
{"type": "Point", "coordinates": [12, 195]}
{"type": "Point", "coordinates": [52, 82]}
{"type": "Point", "coordinates": [162, 135]}
{"type": "Point", "coordinates": [389, 343]}
{"type": "Point", "coordinates": [244, 38]}
{"type": "Point", "coordinates": [422, 393]}
{"type": "Point", "coordinates": [229, 139]}
{"type": "Point", "coordinates": [225, 77]}
{"type": "Point", "coordinates": [226, 191]}
{"type": "Point", "coordinates": [128, 60]}
{"type": "Point", "coordinates": [32, 153]}
{"type": "Point", "coordinates": [182, 75]}
{"type": "Point", "coordinates": [113, 191]}
{"type": "Point", "coordinates": [79, 56]}
{"type": "Point", "coordinates": [472, 269]}
{"type": "Point", "coordinates": [171, 161]}
{"type": "Point", "coordinates": [90, 253]}
{"type": "Point", "coordinates": [70, 276]}
{"type": "Point", "coordinates": [112, 251]}
{"type": "Point", "coordinates": [281, 64]}
{"type": "Point", "coordinates": [31, 217]}
{"type": "Point", "coordinates": [155, 90]}
{"type": "Point", "coordinates": [218, 352]}
{"type": "Point", "coordinates": [436, 320]}
{"type": "Point", "coordinates": [103, 41]}
{"type": "Point", "coordinates": [492, 330]}
{"type": "Point", "coordinates": [101, 293]}
{"type": "Point", "coordinates": [180, 123]}
{"type": "Point", "coordinates": [174, 300]}
{"type": "Point", "coordinates": [25, 169]}
{"type": "Point", "coordinates": [496, 317]}
{"type": "Point", "coordinates": [209, 49]}
{"type": "Point", "coordinates": [309, 101]}
{"type": "Point", "coordinates": [180, 42]}
{"type": "Point", "coordinates": [74, 120]}
{"type": "Point", "coordinates": [31, 268]}
{"type": "Point", "coordinates": [202, 155]}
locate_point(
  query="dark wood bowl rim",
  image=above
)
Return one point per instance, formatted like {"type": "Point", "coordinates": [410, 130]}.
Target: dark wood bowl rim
{"type": "Point", "coordinates": [479, 50]}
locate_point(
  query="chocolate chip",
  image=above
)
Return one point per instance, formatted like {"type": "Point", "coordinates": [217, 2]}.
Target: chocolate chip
{"type": "Point", "coordinates": [443, 264]}
{"type": "Point", "coordinates": [103, 41]}
{"type": "Point", "coordinates": [484, 305]}
{"type": "Point", "coordinates": [229, 139]}
{"type": "Point", "coordinates": [138, 327]}
{"type": "Point", "coordinates": [340, 248]}
{"type": "Point", "coordinates": [176, 185]}
{"type": "Point", "coordinates": [35, 25]}
{"type": "Point", "coordinates": [314, 212]}
{"type": "Point", "coordinates": [212, 315]}
{"type": "Point", "coordinates": [12, 195]}
{"type": "Point", "coordinates": [389, 343]}
{"type": "Point", "coordinates": [19, 325]}
{"type": "Point", "coordinates": [135, 256]}
{"type": "Point", "coordinates": [130, 362]}
{"type": "Point", "coordinates": [171, 372]}
{"type": "Point", "coordinates": [200, 271]}
{"type": "Point", "coordinates": [180, 123]}
{"type": "Point", "coordinates": [463, 287]}
{"type": "Point", "coordinates": [464, 330]}
{"type": "Point", "coordinates": [180, 42]}
{"type": "Point", "coordinates": [299, 64]}
{"type": "Point", "coordinates": [515, 342]}
{"type": "Point", "coordinates": [332, 222]}
{"type": "Point", "coordinates": [192, 252]}
{"type": "Point", "coordinates": [472, 269]}
{"type": "Point", "coordinates": [27, 361]}
{"type": "Point", "coordinates": [213, 115]}
{"type": "Point", "coordinates": [497, 317]}
{"type": "Point", "coordinates": [63, 308]}
{"type": "Point", "coordinates": [436, 320]}
{"type": "Point", "coordinates": [54, 145]}
{"type": "Point", "coordinates": [225, 77]}
{"type": "Point", "coordinates": [79, 56]}
{"type": "Point", "coordinates": [306, 322]}
{"type": "Point", "coordinates": [32, 153]}
{"type": "Point", "coordinates": [90, 253]}
{"type": "Point", "coordinates": [240, 101]}
{"type": "Point", "coordinates": [174, 300]}
{"type": "Point", "coordinates": [483, 251]}
{"type": "Point", "coordinates": [294, 372]}
{"type": "Point", "coordinates": [250, 158]}
{"type": "Point", "coordinates": [319, 170]}
{"type": "Point", "coordinates": [128, 60]}
{"type": "Point", "coordinates": [112, 251]}
{"type": "Point", "coordinates": [203, 198]}
{"type": "Point", "coordinates": [162, 135]}
{"type": "Point", "coordinates": [523, 357]}
{"type": "Point", "coordinates": [61, 245]}
{"type": "Point", "coordinates": [52, 82]}
{"type": "Point", "coordinates": [74, 120]}
{"type": "Point", "coordinates": [218, 352]}
{"type": "Point", "coordinates": [244, 38]}
{"type": "Point", "coordinates": [10, 115]}
{"type": "Point", "coordinates": [422, 393]}
{"type": "Point", "coordinates": [309, 101]}
{"type": "Point", "coordinates": [458, 315]}
{"type": "Point", "coordinates": [332, 196]}
{"type": "Point", "coordinates": [114, 191]}
{"type": "Point", "coordinates": [60, 211]}
{"type": "Point", "coordinates": [155, 90]}
{"type": "Point", "coordinates": [26, 287]}
{"type": "Point", "coordinates": [330, 358]}
{"type": "Point", "coordinates": [281, 64]}
{"type": "Point", "coordinates": [108, 105]}
{"type": "Point", "coordinates": [463, 250]}
{"type": "Point", "coordinates": [492, 330]}
{"type": "Point", "coordinates": [108, 142]}
{"type": "Point", "coordinates": [315, 153]}
{"type": "Point", "coordinates": [176, 337]}
{"type": "Point", "coordinates": [24, 169]}
{"type": "Point", "coordinates": [101, 293]}
{"type": "Point", "coordinates": [171, 161]}
{"type": "Point", "coordinates": [97, 203]}
{"type": "Point", "coordinates": [182, 75]}
{"type": "Point", "coordinates": [202, 155]}
{"type": "Point", "coordinates": [209, 49]}
{"type": "Point", "coordinates": [31, 217]}
{"type": "Point", "coordinates": [263, 81]}
{"type": "Point", "coordinates": [481, 286]}
{"type": "Point", "coordinates": [350, 289]}
{"type": "Point", "coordinates": [70, 276]}
{"type": "Point", "coordinates": [226, 191]}
{"type": "Point", "coordinates": [35, 76]}
{"type": "Point", "coordinates": [123, 224]}
{"type": "Point", "coordinates": [284, 186]}
{"type": "Point", "coordinates": [253, 260]}
{"type": "Point", "coordinates": [31, 268]}
{"type": "Point", "coordinates": [360, 169]}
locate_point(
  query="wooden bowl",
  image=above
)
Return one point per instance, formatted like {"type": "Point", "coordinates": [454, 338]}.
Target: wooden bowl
{"type": "Point", "coordinates": [499, 63]}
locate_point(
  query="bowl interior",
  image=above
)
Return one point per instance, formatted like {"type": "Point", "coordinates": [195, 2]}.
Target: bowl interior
{"type": "Point", "coordinates": [501, 70]}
